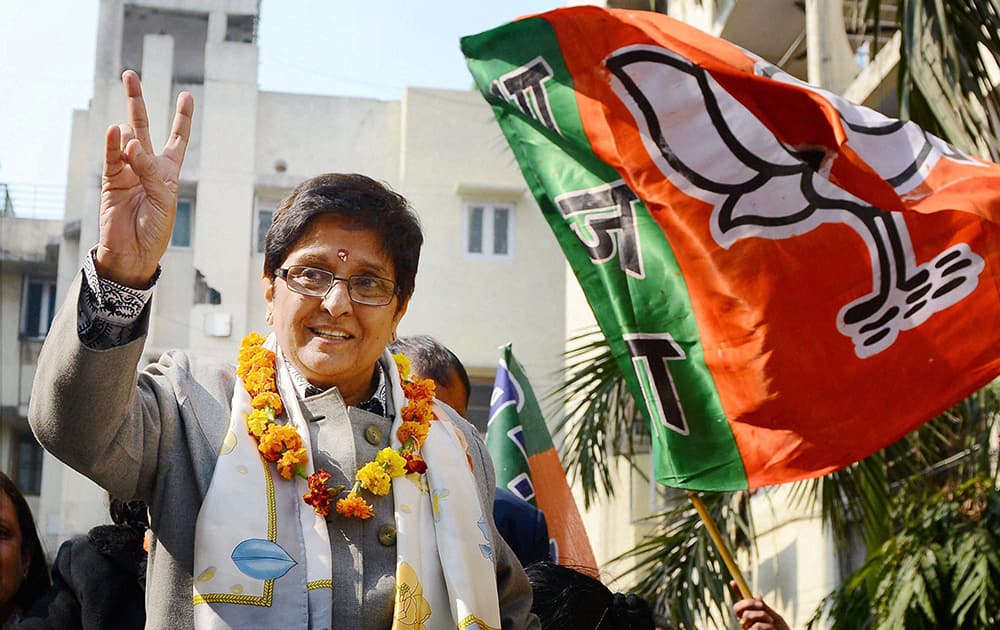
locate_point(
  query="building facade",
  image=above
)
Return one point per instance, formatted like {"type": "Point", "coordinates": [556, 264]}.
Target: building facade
{"type": "Point", "coordinates": [27, 300]}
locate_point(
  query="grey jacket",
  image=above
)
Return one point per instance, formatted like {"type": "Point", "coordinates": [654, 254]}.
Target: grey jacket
{"type": "Point", "coordinates": [154, 435]}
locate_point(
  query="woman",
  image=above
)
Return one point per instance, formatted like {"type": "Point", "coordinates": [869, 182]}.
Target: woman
{"type": "Point", "coordinates": [241, 471]}
{"type": "Point", "coordinates": [23, 573]}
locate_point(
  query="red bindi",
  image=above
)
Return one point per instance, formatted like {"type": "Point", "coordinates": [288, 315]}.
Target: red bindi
{"type": "Point", "coordinates": [343, 254]}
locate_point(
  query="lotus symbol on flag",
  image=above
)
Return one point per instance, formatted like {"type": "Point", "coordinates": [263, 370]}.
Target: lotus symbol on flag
{"type": "Point", "coordinates": [775, 192]}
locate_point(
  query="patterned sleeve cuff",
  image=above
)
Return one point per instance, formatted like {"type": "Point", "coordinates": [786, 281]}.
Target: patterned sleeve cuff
{"type": "Point", "coordinates": [113, 302]}
{"type": "Point", "coordinates": [110, 314]}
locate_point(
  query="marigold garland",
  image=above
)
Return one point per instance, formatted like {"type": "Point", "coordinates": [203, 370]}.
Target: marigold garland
{"type": "Point", "coordinates": [376, 476]}
{"type": "Point", "coordinates": [282, 444]}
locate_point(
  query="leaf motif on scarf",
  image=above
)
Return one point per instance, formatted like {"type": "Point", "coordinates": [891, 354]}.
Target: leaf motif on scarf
{"type": "Point", "coordinates": [262, 559]}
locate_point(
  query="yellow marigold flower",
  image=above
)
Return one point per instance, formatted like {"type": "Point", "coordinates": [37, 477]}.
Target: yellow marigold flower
{"type": "Point", "coordinates": [263, 359]}
{"type": "Point", "coordinates": [374, 479]}
{"type": "Point", "coordinates": [252, 339]}
{"type": "Point", "coordinates": [260, 380]}
{"type": "Point", "coordinates": [416, 430]}
{"type": "Point", "coordinates": [353, 506]}
{"type": "Point", "coordinates": [257, 421]}
{"type": "Point", "coordinates": [290, 459]}
{"type": "Point", "coordinates": [391, 461]}
{"type": "Point", "coordinates": [403, 363]}
{"type": "Point", "coordinates": [267, 399]}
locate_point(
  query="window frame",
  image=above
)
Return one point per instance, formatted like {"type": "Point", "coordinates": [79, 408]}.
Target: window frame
{"type": "Point", "coordinates": [46, 309]}
{"type": "Point", "coordinates": [488, 235]}
{"type": "Point", "coordinates": [191, 220]}
{"type": "Point", "coordinates": [259, 244]}
{"type": "Point", "coordinates": [20, 436]}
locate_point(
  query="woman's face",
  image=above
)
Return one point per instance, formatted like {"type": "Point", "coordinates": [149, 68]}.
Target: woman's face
{"type": "Point", "coordinates": [333, 340]}
{"type": "Point", "coordinates": [13, 559]}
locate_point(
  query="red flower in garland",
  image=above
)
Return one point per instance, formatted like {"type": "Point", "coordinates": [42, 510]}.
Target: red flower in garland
{"type": "Point", "coordinates": [415, 463]}
{"type": "Point", "coordinates": [319, 494]}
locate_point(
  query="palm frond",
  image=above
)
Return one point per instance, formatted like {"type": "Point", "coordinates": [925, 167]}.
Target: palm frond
{"type": "Point", "coordinates": [679, 569]}
{"type": "Point", "coordinates": [947, 52]}
{"type": "Point", "coordinates": [601, 418]}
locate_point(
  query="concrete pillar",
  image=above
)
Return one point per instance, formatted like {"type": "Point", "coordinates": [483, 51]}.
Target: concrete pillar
{"type": "Point", "coordinates": [157, 85]}
{"type": "Point", "coordinates": [223, 216]}
{"type": "Point", "coordinates": [830, 58]}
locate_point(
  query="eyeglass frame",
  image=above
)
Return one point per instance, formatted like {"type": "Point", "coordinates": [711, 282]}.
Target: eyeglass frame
{"type": "Point", "coordinates": [282, 272]}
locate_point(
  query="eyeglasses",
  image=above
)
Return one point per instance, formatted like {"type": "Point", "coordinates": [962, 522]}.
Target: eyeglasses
{"type": "Point", "coordinates": [370, 290]}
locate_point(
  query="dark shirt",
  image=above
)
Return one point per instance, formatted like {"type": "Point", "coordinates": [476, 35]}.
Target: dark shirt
{"type": "Point", "coordinates": [523, 526]}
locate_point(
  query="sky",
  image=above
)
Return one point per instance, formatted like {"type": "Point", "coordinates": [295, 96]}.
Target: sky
{"type": "Point", "coordinates": [337, 47]}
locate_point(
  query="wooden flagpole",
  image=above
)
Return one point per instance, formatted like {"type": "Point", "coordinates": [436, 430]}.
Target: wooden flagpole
{"type": "Point", "coordinates": [720, 544]}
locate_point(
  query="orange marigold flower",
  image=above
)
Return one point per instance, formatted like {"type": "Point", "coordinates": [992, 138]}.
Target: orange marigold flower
{"type": "Point", "coordinates": [290, 460]}
{"type": "Point", "coordinates": [418, 411]}
{"type": "Point", "coordinates": [277, 439]}
{"type": "Point", "coordinates": [260, 380]}
{"type": "Point", "coordinates": [267, 399]}
{"type": "Point", "coordinates": [419, 390]}
{"type": "Point", "coordinates": [353, 506]}
{"type": "Point", "coordinates": [319, 494]}
{"type": "Point", "coordinates": [257, 421]}
{"type": "Point", "coordinates": [263, 359]}
{"type": "Point", "coordinates": [416, 430]}
{"type": "Point", "coordinates": [252, 339]}
{"type": "Point", "coordinates": [270, 446]}
{"type": "Point", "coordinates": [288, 435]}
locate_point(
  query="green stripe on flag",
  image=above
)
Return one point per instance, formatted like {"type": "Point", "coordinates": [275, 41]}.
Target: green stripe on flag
{"type": "Point", "coordinates": [516, 429]}
{"type": "Point", "coordinates": [637, 293]}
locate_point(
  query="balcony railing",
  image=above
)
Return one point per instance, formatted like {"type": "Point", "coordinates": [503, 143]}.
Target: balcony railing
{"type": "Point", "coordinates": [32, 201]}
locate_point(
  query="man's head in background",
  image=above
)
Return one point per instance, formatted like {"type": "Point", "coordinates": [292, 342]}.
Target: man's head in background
{"type": "Point", "coordinates": [430, 359]}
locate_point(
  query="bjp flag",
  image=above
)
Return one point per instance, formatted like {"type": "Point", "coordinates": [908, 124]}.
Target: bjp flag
{"type": "Point", "coordinates": [528, 466]}
{"type": "Point", "coordinates": [788, 281]}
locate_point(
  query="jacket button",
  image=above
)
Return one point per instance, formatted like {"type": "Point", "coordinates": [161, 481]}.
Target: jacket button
{"type": "Point", "coordinates": [387, 535]}
{"type": "Point", "coordinates": [373, 434]}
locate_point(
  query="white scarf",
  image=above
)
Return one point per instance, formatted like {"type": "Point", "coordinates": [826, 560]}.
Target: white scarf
{"type": "Point", "coordinates": [445, 575]}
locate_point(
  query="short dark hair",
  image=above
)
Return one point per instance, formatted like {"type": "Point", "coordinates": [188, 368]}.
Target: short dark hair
{"type": "Point", "coordinates": [431, 359]}
{"type": "Point", "coordinates": [566, 598]}
{"type": "Point", "coordinates": [37, 582]}
{"type": "Point", "coordinates": [366, 204]}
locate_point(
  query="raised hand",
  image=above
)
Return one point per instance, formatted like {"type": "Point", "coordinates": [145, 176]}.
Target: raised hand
{"type": "Point", "coordinates": [139, 190]}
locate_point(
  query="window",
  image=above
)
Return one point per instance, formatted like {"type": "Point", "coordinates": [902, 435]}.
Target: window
{"type": "Point", "coordinates": [38, 305]}
{"type": "Point", "coordinates": [241, 28]}
{"type": "Point", "coordinates": [479, 402]}
{"type": "Point", "coordinates": [264, 219]}
{"type": "Point", "coordinates": [183, 224]}
{"type": "Point", "coordinates": [489, 229]}
{"type": "Point", "coordinates": [27, 463]}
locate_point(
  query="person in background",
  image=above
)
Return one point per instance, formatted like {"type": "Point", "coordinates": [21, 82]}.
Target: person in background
{"type": "Point", "coordinates": [566, 598]}
{"type": "Point", "coordinates": [24, 576]}
{"type": "Point", "coordinates": [521, 524]}
{"type": "Point", "coordinates": [98, 580]}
